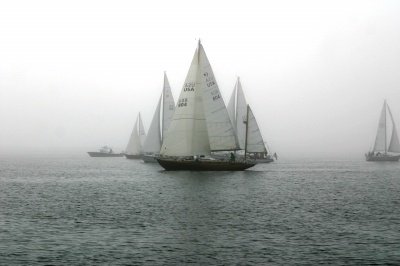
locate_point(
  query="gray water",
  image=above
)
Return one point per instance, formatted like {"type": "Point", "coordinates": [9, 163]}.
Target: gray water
{"type": "Point", "coordinates": [113, 211]}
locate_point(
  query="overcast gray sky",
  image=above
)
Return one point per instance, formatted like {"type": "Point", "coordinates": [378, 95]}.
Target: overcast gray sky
{"type": "Point", "coordinates": [74, 74]}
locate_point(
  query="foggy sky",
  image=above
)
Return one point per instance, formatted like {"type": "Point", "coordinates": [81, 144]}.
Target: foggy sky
{"type": "Point", "coordinates": [74, 74]}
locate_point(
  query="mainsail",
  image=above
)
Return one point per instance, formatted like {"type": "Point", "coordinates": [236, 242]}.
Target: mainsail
{"type": "Point", "coordinates": [380, 140]}
{"type": "Point", "coordinates": [152, 144]}
{"type": "Point", "coordinates": [136, 139]}
{"type": "Point", "coordinates": [394, 145]}
{"type": "Point", "coordinates": [153, 140]}
{"type": "Point", "coordinates": [241, 110]}
{"type": "Point", "coordinates": [142, 133]}
{"type": "Point", "coordinates": [237, 109]}
{"type": "Point", "coordinates": [253, 138]}
{"type": "Point", "coordinates": [168, 104]}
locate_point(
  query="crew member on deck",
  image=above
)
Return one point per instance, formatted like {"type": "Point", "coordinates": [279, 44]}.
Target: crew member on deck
{"type": "Point", "coordinates": [232, 157]}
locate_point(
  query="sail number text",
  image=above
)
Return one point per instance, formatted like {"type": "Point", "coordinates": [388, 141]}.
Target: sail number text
{"type": "Point", "coordinates": [189, 86]}
{"type": "Point", "coordinates": [209, 79]}
{"type": "Point", "coordinates": [182, 102]}
{"type": "Point", "coordinates": [215, 95]}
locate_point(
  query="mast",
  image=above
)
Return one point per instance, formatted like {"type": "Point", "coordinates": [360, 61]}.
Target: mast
{"type": "Point", "coordinates": [247, 127]}
{"type": "Point", "coordinates": [140, 136]}
{"type": "Point", "coordinates": [168, 108]}
{"type": "Point", "coordinates": [162, 111]}
{"type": "Point", "coordinates": [385, 128]}
{"type": "Point", "coordinates": [236, 103]}
{"type": "Point", "coordinates": [235, 115]}
{"type": "Point", "coordinates": [139, 125]}
{"type": "Point", "coordinates": [232, 113]}
{"type": "Point", "coordinates": [241, 110]}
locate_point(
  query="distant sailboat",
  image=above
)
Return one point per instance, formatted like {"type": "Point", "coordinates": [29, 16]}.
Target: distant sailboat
{"type": "Point", "coordinates": [105, 152]}
{"type": "Point", "coordinates": [134, 148]}
{"type": "Point", "coordinates": [238, 109]}
{"type": "Point", "coordinates": [381, 152]}
{"type": "Point", "coordinates": [159, 124]}
{"type": "Point", "coordinates": [200, 124]}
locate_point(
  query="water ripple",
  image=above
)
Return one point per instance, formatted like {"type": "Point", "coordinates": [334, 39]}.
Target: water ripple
{"type": "Point", "coordinates": [68, 211]}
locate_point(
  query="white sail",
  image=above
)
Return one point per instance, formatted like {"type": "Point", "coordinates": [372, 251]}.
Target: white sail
{"type": "Point", "coordinates": [168, 106]}
{"type": "Point", "coordinates": [142, 132]}
{"type": "Point", "coordinates": [241, 112]}
{"type": "Point", "coordinates": [187, 134]}
{"type": "Point", "coordinates": [380, 140]}
{"type": "Point", "coordinates": [134, 146]}
{"type": "Point", "coordinates": [255, 142]}
{"type": "Point", "coordinates": [152, 144]}
{"type": "Point", "coordinates": [237, 109]}
{"type": "Point", "coordinates": [394, 145]}
{"type": "Point", "coordinates": [220, 130]}
{"type": "Point", "coordinates": [232, 108]}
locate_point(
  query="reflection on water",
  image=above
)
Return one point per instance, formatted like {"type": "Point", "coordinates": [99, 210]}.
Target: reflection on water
{"type": "Point", "coordinates": [118, 211]}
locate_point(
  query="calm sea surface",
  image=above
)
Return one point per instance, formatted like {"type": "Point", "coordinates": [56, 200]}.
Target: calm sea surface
{"type": "Point", "coordinates": [113, 211]}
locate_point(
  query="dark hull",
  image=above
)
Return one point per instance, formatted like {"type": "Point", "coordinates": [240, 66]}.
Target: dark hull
{"type": "Point", "coordinates": [179, 165]}
{"type": "Point", "coordinates": [133, 156]}
{"type": "Point", "coordinates": [103, 154]}
{"type": "Point", "coordinates": [382, 158]}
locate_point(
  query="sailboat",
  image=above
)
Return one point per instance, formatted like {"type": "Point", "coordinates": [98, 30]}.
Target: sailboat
{"type": "Point", "coordinates": [200, 124]}
{"type": "Point", "coordinates": [134, 148]}
{"type": "Point", "coordinates": [381, 152]}
{"type": "Point", "coordinates": [159, 124]}
{"type": "Point", "coordinates": [237, 110]}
